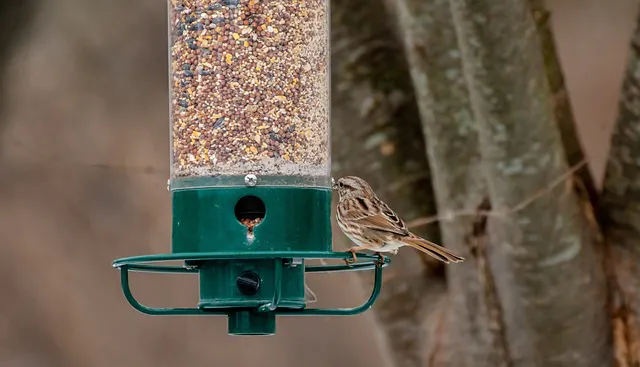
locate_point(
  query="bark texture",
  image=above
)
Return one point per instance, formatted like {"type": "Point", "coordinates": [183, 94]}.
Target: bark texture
{"type": "Point", "coordinates": [474, 326]}
{"type": "Point", "coordinates": [560, 100]}
{"type": "Point", "coordinates": [376, 135]}
{"type": "Point", "coordinates": [621, 212]}
{"type": "Point", "coordinates": [583, 181]}
{"type": "Point", "coordinates": [549, 280]}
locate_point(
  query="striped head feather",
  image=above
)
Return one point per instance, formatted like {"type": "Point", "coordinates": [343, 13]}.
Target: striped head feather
{"type": "Point", "coordinates": [353, 185]}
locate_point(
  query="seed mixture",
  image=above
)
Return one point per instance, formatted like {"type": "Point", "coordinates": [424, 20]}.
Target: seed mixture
{"type": "Point", "coordinates": [250, 223]}
{"type": "Point", "coordinates": [249, 87]}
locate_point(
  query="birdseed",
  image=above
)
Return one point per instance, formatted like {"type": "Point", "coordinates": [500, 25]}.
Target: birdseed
{"type": "Point", "coordinates": [249, 87]}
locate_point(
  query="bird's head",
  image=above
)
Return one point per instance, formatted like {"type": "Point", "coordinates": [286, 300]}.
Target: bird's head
{"type": "Point", "coordinates": [351, 184]}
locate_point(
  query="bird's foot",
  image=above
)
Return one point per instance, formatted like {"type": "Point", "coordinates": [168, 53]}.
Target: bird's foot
{"type": "Point", "coordinates": [353, 259]}
{"type": "Point", "coordinates": [381, 259]}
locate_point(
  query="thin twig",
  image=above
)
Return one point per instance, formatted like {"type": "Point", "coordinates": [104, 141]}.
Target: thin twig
{"type": "Point", "coordinates": [449, 216]}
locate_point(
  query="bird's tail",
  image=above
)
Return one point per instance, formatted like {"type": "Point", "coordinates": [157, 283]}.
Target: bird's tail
{"type": "Point", "coordinates": [432, 249]}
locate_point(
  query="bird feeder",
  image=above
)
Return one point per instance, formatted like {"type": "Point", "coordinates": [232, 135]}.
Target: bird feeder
{"type": "Point", "coordinates": [250, 161]}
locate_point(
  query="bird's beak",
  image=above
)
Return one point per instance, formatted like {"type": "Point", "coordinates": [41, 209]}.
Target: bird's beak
{"type": "Point", "coordinates": [334, 185]}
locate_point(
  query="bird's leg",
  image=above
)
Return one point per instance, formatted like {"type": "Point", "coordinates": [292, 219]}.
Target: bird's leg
{"type": "Point", "coordinates": [353, 250]}
{"type": "Point", "coordinates": [381, 258]}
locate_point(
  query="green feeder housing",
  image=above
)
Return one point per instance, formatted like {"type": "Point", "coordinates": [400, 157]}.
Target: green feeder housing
{"type": "Point", "coordinates": [250, 161]}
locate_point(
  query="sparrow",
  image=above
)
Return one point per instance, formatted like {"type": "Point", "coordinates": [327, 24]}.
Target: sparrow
{"type": "Point", "coordinates": [372, 225]}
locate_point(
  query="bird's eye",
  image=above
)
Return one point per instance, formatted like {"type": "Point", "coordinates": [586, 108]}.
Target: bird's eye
{"type": "Point", "coordinates": [340, 184]}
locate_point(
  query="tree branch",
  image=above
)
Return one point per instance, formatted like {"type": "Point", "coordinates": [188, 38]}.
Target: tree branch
{"type": "Point", "coordinates": [546, 270]}
{"type": "Point", "coordinates": [560, 100]}
{"type": "Point", "coordinates": [376, 135]}
{"type": "Point", "coordinates": [621, 212]}
{"type": "Point", "coordinates": [475, 337]}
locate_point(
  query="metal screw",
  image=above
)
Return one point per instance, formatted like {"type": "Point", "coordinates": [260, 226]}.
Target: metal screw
{"type": "Point", "coordinates": [250, 180]}
{"type": "Point", "coordinates": [169, 185]}
{"type": "Point", "coordinates": [295, 262]}
{"type": "Point", "coordinates": [267, 307]}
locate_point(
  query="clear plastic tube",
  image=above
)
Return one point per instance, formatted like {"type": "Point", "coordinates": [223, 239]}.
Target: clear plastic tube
{"type": "Point", "coordinates": [250, 90]}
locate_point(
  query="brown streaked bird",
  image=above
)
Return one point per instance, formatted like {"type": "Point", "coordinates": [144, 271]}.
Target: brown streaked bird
{"type": "Point", "coordinates": [372, 225]}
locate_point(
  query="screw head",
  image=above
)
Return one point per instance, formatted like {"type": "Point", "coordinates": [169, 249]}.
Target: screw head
{"type": "Point", "coordinates": [248, 283]}
{"type": "Point", "coordinates": [250, 180]}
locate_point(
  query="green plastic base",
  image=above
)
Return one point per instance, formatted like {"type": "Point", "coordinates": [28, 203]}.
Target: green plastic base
{"type": "Point", "coordinates": [290, 218]}
{"type": "Point", "coordinates": [270, 273]}
{"type": "Point", "coordinates": [295, 219]}
{"type": "Point", "coordinates": [247, 322]}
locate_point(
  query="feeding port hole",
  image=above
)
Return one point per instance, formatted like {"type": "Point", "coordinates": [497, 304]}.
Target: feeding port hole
{"type": "Point", "coordinates": [250, 211]}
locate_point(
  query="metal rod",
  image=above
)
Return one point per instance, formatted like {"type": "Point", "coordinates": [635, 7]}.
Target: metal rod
{"type": "Point", "coordinates": [377, 286]}
{"type": "Point", "coordinates": [124, 280]}
{"type": "Point", "coordinates": [126, 289]}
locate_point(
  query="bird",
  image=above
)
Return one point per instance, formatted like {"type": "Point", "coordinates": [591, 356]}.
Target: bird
{"type": "Point", "coordinates": [372, 225]}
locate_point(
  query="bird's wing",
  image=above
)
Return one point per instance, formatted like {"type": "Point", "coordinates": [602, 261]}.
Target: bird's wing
{"type": "Point", "coordinates": [374, 216]}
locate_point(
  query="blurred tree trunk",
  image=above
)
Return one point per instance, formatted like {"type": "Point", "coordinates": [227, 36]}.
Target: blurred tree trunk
{"type": "Point", "coordinates": [561, 103]}
{"type": "Point", "coordinates": [474, 333]}
{"type": "Point", "coordinates": [621, 211]}
{"type": "Point", "coordinates": [585, 187]}
{"type": "Point", "coordinates": [549, 279]}
{"type": "Point", "coordinates": [376, 135]}
{"type": "Point", "coordinates": [583, 182]}
{"type": "Point", "coordinates": [15, 20]}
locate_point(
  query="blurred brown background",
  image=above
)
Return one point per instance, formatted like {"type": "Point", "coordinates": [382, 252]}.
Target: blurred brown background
{"type": "Point", "coordinates": [83, 169]}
